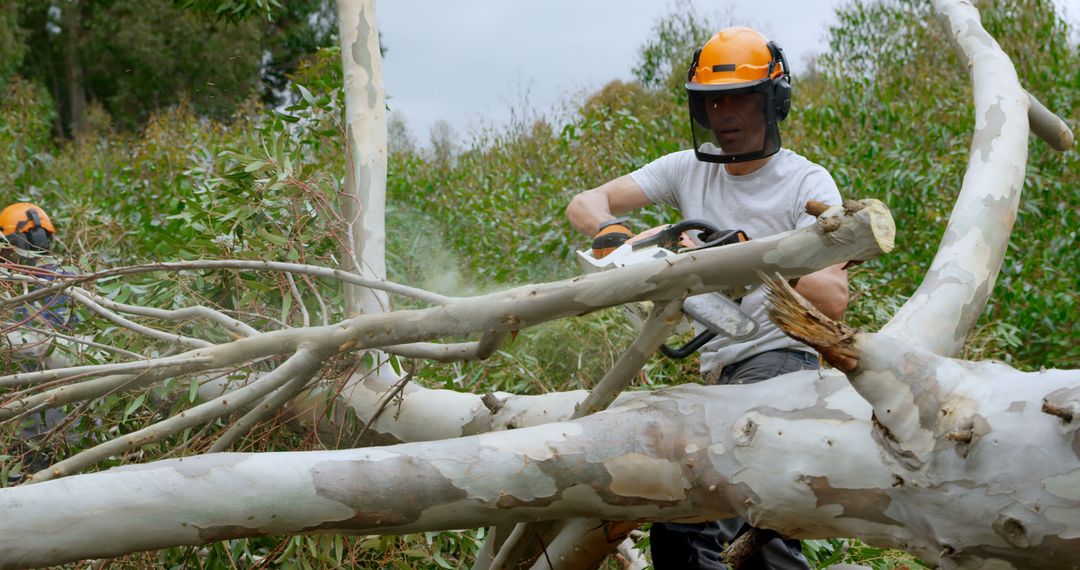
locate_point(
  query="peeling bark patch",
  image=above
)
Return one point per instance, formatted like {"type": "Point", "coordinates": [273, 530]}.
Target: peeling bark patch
{"type": "Point", "coordinates": [509, 501]}
{"type": "Point", "coordinates": [369, 488]}
{"type": "Point", "coordinates": [361, 54]}
{"type": "Point", "coordinates": [819, 412]}
{"type": "Point", "coordinates": [887, 441]}
{"type": "Point", "coordinates": [971, 310]}
{"type": "Point", "coordinates": [480, 423]}
{"type": "Point", "coordinates": [1066, 485]}
{"type": "Point", "coordinates": [227, 532]}
{"type": "Point", "coordinates": [1076, 443]}
{"type": "Point", "coordinates": [637, 475]}
{"type": "Point", "coordinates": [1017, 407]}
{"type": "Point", "coordinates": [588, 477]}
{"type": "Point", "coordinates": [864, 504]}
{"type": "Point", "coordinates": [983, 141]}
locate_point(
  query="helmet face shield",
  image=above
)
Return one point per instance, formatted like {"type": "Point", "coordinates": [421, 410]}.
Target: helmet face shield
{"type": "Point", "coordinates": [739, 89]}
{"type": "Point", "coordinates": [733, 123]}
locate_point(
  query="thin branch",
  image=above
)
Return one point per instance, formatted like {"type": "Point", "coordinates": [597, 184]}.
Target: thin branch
{"type": "Point", "coordinates": [304, 361]}
{"type": "Point", "coordinates": [657, 328]}
{"type": "Point", "coordinates": [65, 281]}
{"type": "Point", "coordinates": [298, 299]}
{"type": "Point", "coordinates": [388, 397]}
{"type": "Point", "coordinates": [94, 370]}
{"type": "Point", "coordinates": [274, 401]}
{"type": "Point", "coordinates": [136, 327]}
{"type": "Point", "coordinates": [83, 341]}
{"type": "Point", "coordinates": [176, 315]}
{"type": "Point", "coordinates": [1049, 127]}
{"type": "Point", "coordinates": [451, 352]}
{"type": "Point", "coordinates": [324, 313]}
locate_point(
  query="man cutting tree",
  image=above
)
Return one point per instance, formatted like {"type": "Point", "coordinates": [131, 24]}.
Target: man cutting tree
{"type": "Point", "coordinates": [737, 176]}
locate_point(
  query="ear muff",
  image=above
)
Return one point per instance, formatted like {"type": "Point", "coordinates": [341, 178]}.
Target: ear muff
{"type": "Point", "coordinates": [781, 94]}
{"type": "Point", "coordinates": [40, 239]}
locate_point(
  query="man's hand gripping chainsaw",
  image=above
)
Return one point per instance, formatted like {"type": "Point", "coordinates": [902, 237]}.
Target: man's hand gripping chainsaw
{"type": "Point", "coordinates": [718, 314]}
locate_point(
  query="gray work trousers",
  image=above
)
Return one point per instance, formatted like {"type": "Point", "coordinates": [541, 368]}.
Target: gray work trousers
{"type": "Point", "coordinates": [698, 545]}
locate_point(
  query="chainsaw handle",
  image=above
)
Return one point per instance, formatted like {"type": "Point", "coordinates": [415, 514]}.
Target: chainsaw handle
{"type": "Point", "coordinates": [690, 347]}
{"type": "Point", "coordinates": [668, 238]}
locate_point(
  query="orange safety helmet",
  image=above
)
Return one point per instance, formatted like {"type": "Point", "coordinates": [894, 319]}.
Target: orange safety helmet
{"type": "Point", "coordinates": [26, 226]}
{"type": "Point", "coordinates": [739, 89]}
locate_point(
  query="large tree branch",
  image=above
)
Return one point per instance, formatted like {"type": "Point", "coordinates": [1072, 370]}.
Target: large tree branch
{"type": "Point", "coordinates": [941, 313]}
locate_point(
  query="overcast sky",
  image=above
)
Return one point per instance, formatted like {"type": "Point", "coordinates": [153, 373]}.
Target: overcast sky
{"type": "Point", "coordinates": [470, 62]}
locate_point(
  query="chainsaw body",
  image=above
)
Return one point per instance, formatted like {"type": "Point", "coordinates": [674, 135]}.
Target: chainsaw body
{"type": "Point", "coordinates": [716, 313]}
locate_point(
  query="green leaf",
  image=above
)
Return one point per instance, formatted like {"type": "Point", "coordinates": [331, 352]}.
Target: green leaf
{"type": "Point", "coordinates": [306, 95]}
{"type": "Point", "coordinates": [193, 390]}
{"type": "Point", "coordinates": [286, 305]}
{"type": "Point", "coordinates": [134, 405]}
{"type": "Point", "coordinates": [255, 165]}
{"type": "Point", "coordinates": [440, 561]}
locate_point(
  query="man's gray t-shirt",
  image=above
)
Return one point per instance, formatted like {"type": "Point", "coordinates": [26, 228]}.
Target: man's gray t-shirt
{"type": "Point", "coordinates": [765, 202]}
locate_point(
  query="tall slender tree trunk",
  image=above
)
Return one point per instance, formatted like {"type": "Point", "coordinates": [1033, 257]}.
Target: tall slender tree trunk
{"type": "Point", "coordinates": [364, 203]}
{"type": "Point", "coordinates": [73, 73]}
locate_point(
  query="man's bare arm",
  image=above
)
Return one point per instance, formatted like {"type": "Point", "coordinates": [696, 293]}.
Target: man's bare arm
{"type": "Point", "coordinates": [827, 290]}
{"type": "Point", "coordinates": [590, 208]}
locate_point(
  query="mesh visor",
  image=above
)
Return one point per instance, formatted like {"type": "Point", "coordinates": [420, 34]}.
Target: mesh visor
{"type": "Point", "coordinates": [733, 124]}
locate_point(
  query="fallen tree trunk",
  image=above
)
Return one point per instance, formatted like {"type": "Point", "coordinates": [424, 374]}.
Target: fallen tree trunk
{"type": "Point", "coordinates": [799, 455]}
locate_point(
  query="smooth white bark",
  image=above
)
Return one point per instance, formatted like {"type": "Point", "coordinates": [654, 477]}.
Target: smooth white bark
{"type": "Point", "coordinates": [364, 202]}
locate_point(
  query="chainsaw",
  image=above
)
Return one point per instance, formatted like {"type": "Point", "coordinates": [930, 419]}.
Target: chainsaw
{"type": "Point", "coordinates": [714, 312]}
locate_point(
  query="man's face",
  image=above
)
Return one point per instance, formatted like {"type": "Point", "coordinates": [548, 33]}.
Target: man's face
{"type": "Point", "coordinates": [738, 121]}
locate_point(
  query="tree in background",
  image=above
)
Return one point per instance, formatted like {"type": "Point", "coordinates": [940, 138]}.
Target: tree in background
{"type": "Point", "coordinates": [133, 57]}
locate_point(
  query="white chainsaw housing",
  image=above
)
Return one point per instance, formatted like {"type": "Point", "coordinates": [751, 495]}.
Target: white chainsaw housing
{"type": "Point", "coordinates": [711, 310]}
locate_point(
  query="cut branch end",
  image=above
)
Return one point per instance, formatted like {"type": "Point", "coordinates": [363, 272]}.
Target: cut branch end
{"type": "Point", "coordinates": [1063, 412]}
{"type": "Point", "coordinates": [816, 208]}
{"type": "Point", "coordinates": [802, 321]}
